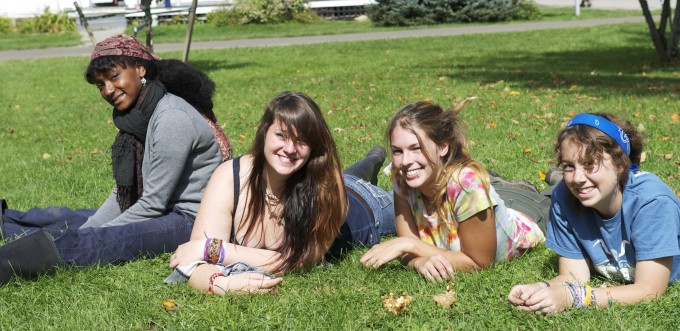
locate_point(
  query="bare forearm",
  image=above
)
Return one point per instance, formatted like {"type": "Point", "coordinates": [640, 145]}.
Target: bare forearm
{"type": "Point", "coordinates": [259, 258]}
{"type": "Point", "coordinates": [458, 260]}
{"type": "Point", "coordinates": [626, 294]}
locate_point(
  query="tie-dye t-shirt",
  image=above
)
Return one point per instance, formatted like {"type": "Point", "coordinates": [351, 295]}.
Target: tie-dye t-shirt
{"type": "Point", "coordinates": [515, 232]}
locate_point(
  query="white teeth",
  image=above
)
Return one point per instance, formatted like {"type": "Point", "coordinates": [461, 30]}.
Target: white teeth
{"type": "Point", "coordinates": [412, 172]}
{"type": "Point", "coordinates": [585, 190]}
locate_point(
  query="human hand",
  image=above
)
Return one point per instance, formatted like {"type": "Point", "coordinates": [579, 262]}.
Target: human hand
{"type": "Point", "coordinates": [187, 253]}
{"type": "Point", "coordinates": [547, 300]}
{"type": "Point", "coordinates": [383, 253]}
{"type": "Point", "coordinates": [519, 294]}
{"type": "Point", "coordinates": [245, 283]}
{"type": "Point", "coordinates": [434, 268]}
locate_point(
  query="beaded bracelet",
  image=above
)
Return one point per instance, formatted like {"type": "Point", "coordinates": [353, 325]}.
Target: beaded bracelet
{"type": "Point", "coordinates": [213, 250]}
{"type": "Point", "coordinates": [610, 300]}
{"type": "Point", "coordinates": [211, 281]}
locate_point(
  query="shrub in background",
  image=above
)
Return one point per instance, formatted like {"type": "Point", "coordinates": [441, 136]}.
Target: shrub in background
{"type": "Point", "coordinates": [262, 11]}
{"type": "Point", "coordinates": [5, 25]}
{"type": "Point", "coordinates": [418, 12]}
{"type": "Point", "coordinates": [48, 23]}
{"type": "Point", "coordinates": [526, 10]}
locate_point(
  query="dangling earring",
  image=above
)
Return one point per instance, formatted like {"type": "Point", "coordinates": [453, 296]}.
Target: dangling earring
{"type": "Point", "coordinates": [143, 81]}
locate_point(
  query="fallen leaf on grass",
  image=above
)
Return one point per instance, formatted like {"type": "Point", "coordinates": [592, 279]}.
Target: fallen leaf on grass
{"type": "Point", "coordinates": [526, 150]}
{"type": "Point", "coordinates": [643, 157]}
{"type": "Point", "coordinates": [170, 305]}
{"type": "Point", "coordinates": [446, 300]}
{"type": "Point", "coordinates": [541, 175]}
{"type": "Point", "coordinates": [396, 304]}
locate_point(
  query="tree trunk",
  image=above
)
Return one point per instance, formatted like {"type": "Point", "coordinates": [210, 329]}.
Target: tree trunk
{"type": "Point", "coordinates": [672, 51]}
{"type": "Point", "coordinates": [657, 37]}
{"type": "Point", "coordinates": [149, 20]}
{"type": "Point", "coordinates": [190, 30]}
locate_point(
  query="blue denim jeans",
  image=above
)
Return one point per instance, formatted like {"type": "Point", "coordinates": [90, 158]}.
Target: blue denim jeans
{"type": "Point", "coordinates": [91, 246]}
{"type": "Point", "coordinates": [368, 220]}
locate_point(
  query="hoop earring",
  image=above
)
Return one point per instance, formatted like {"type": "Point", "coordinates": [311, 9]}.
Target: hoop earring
{"type": "Point", "coordinates": [143, 81]}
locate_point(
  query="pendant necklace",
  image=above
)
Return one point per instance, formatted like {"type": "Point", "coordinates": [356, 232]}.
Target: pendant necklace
{"type": "Point", "coordinates": [272, 203]}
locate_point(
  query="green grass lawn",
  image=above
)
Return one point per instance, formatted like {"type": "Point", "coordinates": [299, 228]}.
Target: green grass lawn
{"type": "Point", "coordinates": [56, 131]}
{"type": "Point", "coordinates": [167, 33]}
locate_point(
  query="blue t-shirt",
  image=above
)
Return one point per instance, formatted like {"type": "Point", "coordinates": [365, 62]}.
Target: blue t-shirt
{"type": "Point", "coordinates": [646, 227]}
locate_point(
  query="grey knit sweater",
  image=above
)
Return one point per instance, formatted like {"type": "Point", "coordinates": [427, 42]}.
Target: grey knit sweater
{"type": "Point", "coordinates": [180, 154]}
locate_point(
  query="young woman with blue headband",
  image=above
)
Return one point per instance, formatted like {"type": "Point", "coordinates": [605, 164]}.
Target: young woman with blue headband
{"type": "Point", "coordinates": [606, 216]}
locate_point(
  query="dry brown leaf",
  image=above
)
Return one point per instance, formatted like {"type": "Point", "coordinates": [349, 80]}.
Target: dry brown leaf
{"type": "Point", "coordinates": [541, 175]}
{"type": "Point", "coordinates": [643, 157]}
{"type": "Point", "coordinates": [675, 117]}
{"type": "Point", "coordinates": [339, 130]}
{"type": "Point", "coordinates": [446, 299]}
{"type": "Point", "coordinates": [170, 305]}
{"type": "Point", "coordinates": [241, 136]}
{"type": "Point", "coordinates": [515, 122]}
{"type": "Point", "coordinates": [396, 304]}
{"type": "Point", "coordinates": [526, 150]}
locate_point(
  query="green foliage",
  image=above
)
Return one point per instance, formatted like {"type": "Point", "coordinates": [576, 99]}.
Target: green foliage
{"type": "Point", "coordinates": [5, 25]}
{"type": "Point", "coordinates": [48, 23]}
{"type": "Point", "coordinates": [222, 17]}
{"type": "Point", "coordinates": [263, 11]}
{"type": "Point", "coordinates": [418, 12]}
{"type": "Point", "coordinates": [526, 10]}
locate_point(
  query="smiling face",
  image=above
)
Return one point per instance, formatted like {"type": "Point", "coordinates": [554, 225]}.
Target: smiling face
{"type": "Point", "coordinates": [120, 86]}
{"type": "Point", "coordinates": [409, 159]}
{"type": "Point", "coordinates": [594, 185]}
{"type": "Point", "coordinates": [284, 153]}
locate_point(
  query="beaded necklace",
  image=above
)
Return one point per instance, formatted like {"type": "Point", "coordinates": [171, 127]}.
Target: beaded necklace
{"type": "Point", "coordinates": [272, 203]}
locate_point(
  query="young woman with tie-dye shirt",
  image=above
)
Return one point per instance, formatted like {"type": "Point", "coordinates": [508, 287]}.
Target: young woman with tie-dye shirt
{"type": "Point", "coordinates": [448, 216]}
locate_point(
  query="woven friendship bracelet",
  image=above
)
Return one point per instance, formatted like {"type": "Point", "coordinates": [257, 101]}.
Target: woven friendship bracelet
{"type": "Point", "coordinates": [213, 250]}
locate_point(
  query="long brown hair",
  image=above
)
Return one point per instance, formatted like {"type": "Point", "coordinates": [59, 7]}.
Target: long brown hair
{"type": "Point", "coordinates": [442, 127]}
{"type": "Point", "coordinates": [594, 143]}
{"type": "Point", "coordinates": [311, 203]}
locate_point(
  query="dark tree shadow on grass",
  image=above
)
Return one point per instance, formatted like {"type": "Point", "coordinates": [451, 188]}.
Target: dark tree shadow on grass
{"type": "Point", "coordinates": [602, 70]}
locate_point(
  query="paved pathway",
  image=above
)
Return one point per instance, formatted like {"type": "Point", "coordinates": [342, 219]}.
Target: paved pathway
{"type": "Point", "coordinates": [85, 50]}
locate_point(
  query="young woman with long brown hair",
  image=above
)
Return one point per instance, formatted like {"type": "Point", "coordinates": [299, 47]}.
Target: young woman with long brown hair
{"type": "Point", "coordinates": [282, 206]}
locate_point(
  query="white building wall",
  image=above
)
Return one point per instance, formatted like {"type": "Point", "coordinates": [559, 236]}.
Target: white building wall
{"type": "Point", "coordinates": [32, 8]}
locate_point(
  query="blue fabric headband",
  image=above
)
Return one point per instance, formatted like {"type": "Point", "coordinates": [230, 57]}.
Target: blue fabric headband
{"type": "Point", "coordinates": [604, 125]}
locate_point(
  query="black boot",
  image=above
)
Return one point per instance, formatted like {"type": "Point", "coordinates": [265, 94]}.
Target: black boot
{"type": "Point", "coordinates": [29, 256]}
{"type": "Point", "coordinates": [368, 167]}
{"type": "Point", "coordinates": [3, 207]}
